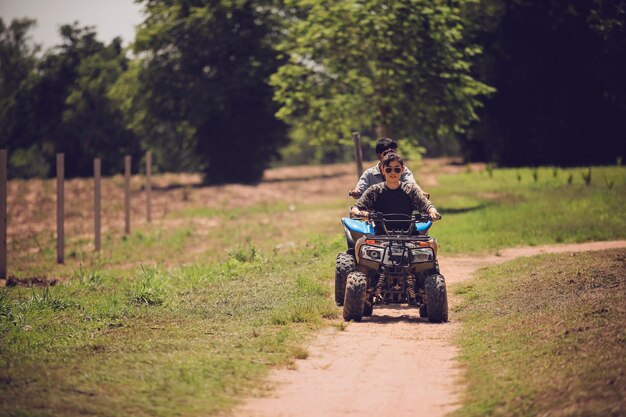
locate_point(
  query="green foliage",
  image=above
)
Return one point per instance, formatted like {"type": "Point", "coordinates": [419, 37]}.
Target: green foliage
{"type": "Point", "coordinates": [173, 144]}
{"type": "Point", "coordinates": [61, 105]}
{"type": "Point", "coordinates": [398, 69]}
{"type": "Point", "coordinates": [28, 163]}
{"type": "Point", "coordinates": [203, 71]}
{"type": "Point", "coordinates": [550, 108]}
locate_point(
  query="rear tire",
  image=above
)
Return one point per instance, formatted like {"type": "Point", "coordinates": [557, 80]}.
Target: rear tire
{"type": "Point", "coordinates": [354, 301]}
{"type": "Point", "coordinates": [344, 264]}
{"type": "Point", "coordinates": [436, 298]}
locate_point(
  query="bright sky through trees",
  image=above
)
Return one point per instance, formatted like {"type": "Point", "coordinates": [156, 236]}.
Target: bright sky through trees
{"type": "Point", "coordinates": [111, 17]}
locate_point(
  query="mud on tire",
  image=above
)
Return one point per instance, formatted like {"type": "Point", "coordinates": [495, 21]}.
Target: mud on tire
{"type": "Point", "coordinates": [344, 264]}
{"type": "Point", "coordinates": [354, 300]}
{"type": "Point", "coordinates": [437, 298]}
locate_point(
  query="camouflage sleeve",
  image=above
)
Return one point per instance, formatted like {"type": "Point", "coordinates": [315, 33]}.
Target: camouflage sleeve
{"type": "Point", "coordinates": [419, 200]}
{"type": "Point", "coordinates": [367, 200]}
{"type": "Point", "coordinates": [407, 176]}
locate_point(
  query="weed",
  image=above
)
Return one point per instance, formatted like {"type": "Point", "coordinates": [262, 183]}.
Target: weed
{"type": "Point", "coordinates": [570, 179]}
{"type": "Point", "coordinates": [609, 183]}
{"type": "Point", "coordinates": [6, 310]}
{"type": "Point", "coordinates": [535, 174]}
{"type": "Point", "coordinates": [91, 279]}
{"type": "Point", "coordinates": [490, 167]}
{"type": "Point", "coordinates": [618, 161]}
{"type": "Point", "coordinates": [45, 299]}
{"type": "Point", "coordinates": [243, 253]}
{"type": "Point", "coordinates": [555, 172]}
{"type": "Point", "coordinates": [519, 177]}
{"type": "Point", "coordinates": [150, 290]}
{"type": "Point", "coordinates": [587, 177]}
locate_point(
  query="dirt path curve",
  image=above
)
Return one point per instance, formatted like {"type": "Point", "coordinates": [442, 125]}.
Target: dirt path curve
{"type": "Point", "coordinates": [391, 364]}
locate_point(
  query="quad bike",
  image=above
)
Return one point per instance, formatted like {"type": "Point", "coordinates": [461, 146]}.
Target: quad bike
{"type": "Point", "coordinates": [390, 260]}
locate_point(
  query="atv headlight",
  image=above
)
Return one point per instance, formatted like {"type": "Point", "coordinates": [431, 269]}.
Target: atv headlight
{"type": "Point", "coordinates": [372, 253]}
{"type": "Point", "coordinates": [422, 255]}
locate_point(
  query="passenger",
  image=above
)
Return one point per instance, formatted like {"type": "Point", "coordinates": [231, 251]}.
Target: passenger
{"type": "Point", "coordinates": [374, 174]}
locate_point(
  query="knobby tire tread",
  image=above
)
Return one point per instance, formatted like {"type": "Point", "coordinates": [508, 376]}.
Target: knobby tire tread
{"type": "Point", "coordinates": [437, 298]}
{"type": "Point", "coordinates": [344, 264]}
{"type": "Point", "coordinates": [354, 301]}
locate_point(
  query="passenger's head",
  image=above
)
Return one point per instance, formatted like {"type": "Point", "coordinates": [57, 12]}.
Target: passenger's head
{"type": "Point", "coordinates": [385, 145]}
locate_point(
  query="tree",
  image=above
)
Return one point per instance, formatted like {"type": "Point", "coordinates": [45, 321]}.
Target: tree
{"type": "Point", "coordinates": [92, 125]}
{"type": "Point", "coordinates": [61, 105]}
{"type": "Point", "coordinates": [395, 68]}
{"type": "Point", "coordinates": [559, 70]}
{"type": "Point", "coordinates": [17, 63]}
{"type": "Point", "coordinates": [204, 71]}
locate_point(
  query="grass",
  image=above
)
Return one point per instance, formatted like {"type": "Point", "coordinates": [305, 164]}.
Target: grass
{"type": "Point", "coordinates": [186, 340]}
{"type": "Point", "coordinates": [483, 213]}
{"type": "Point", "coordinates": [188, 318]}
{"type": "Point", "coordinates": [545, 336]}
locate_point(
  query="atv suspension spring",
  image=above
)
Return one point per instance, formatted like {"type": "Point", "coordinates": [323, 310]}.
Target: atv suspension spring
{"type": "Point", "coordinates": [410, 286]}
{"type": "Point", "coordinates": [380, 286]}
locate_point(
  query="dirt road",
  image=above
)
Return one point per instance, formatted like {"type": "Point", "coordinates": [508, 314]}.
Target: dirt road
{"type": "Point", "coordinates": [391, 364]}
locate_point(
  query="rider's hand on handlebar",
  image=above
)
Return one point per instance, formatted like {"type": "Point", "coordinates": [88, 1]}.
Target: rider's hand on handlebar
{"type": "Point", "coordinates": [363, 214]}
{"type": "Point", "coordinates": [434, 214]}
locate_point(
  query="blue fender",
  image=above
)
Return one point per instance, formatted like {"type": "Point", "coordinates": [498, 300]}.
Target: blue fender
{"type": "Point", "coordinates": [365, 228]}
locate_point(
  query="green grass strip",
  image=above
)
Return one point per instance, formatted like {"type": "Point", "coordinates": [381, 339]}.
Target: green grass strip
{"type": "Point", "coordinates": [545, 336]}
{"type": "Point", "coordinates": [187, 341]}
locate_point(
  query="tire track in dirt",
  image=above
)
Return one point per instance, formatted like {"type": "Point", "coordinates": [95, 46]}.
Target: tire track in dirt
{"type": "Point", "coordinates": [392, 364]}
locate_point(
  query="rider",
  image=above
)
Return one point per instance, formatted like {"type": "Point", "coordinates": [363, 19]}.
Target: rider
{"type": "Point", "coordinates": [394, 195]}
{"type": "Point", "coordinates": [374, 174]}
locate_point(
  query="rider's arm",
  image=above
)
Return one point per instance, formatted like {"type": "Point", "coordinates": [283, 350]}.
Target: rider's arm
{"type": "Point", "coordinates": [366, 202]}
{"type": "Point", "coordinates": [423, 204]}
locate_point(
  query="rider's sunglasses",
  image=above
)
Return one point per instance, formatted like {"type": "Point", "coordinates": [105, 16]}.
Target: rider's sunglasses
{"type": "Point", "coordinates": [396, 169]}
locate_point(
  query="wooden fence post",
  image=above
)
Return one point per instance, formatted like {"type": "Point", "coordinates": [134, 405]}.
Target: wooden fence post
{"type": "Point", "coordinates": [127, 194]}
{"type": "Point", "coordinates": [60, 208]}
{"type": "Point", "coordinates": [3, 213]}
{"type": "Point", "coordinates": [97, 168]}
{"type": "Point", "coordinates": [149, 186]}
{"type": "Point", "coordinates": [358, 153]}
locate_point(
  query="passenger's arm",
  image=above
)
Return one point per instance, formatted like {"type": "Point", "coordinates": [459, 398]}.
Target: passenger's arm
{"type": "Point", "coordinates": [361, 186]}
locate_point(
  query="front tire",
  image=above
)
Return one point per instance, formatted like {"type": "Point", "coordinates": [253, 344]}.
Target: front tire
{"type": "Point", "coordinates": [354, 300]}
{"type": "Point", "coordinates": [436, 298]}
{"type": "Point", "coordinates": [344, 264]}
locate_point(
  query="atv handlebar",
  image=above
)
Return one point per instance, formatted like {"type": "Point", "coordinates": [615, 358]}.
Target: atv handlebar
{"type": "Point", "coordinates": [377, 216]}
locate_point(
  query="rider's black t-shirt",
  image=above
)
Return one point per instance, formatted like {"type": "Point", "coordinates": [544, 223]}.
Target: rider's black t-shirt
{"type": "Point", "coordinates": [393, 201]}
